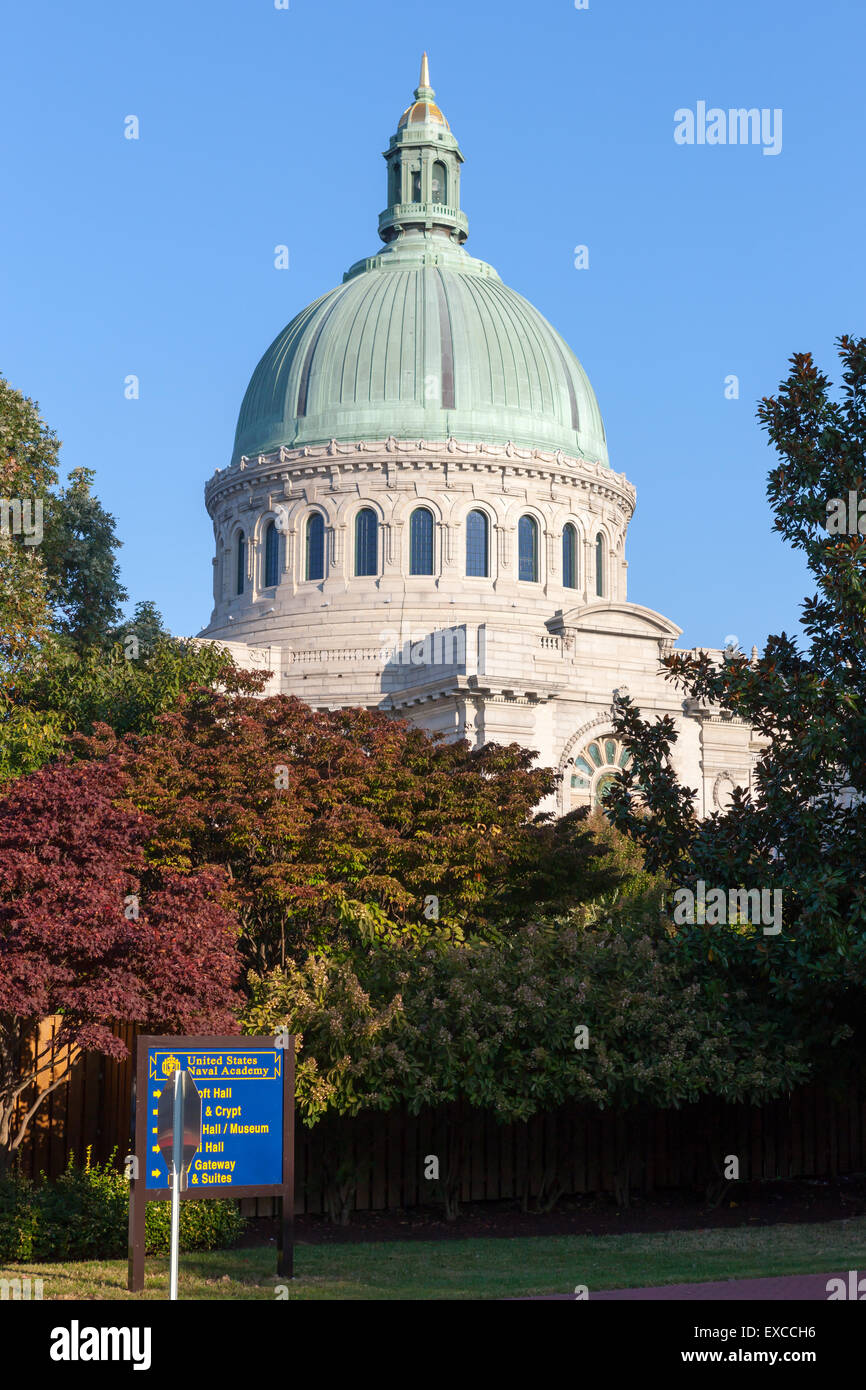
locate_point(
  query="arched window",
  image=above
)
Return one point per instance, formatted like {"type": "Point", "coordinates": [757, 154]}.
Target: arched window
{"type": "Point", "coordinates": [416, 185]}
{"type": "Point", "coordinates": [569, 556]}
{"type": "Point", "coordinates": [272, 555]}
{"type": "Point", "coordinates": [477, 528]}
{"type": "Point", "coordinates": [440, 183]}
{"type": "Point", "coordinates": [527, 548]}
{"type": "Point", "coordinates": [241, 563]}
{"type": "Point", "coordinates": [366, 547]}
{"type": "Point", "coordinates": [396, 182]}
{"type": "Point", "coordinates": [421, 541]}
{"type": "Point", "coordinates": [599, 565]}
{"type": "Point", "coordinates": [315, 568]}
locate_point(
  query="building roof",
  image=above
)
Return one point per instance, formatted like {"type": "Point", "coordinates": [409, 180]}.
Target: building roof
{"type": "Point", "coordinates": [421, 340]}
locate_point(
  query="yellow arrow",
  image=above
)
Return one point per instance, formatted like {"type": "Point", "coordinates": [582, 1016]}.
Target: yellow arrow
{"type": "Point", "coordinates": [154, 1172]}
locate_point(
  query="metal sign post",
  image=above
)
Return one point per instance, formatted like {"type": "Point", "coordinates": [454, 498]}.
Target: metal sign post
{"type": "Point", "coordinates": [178, 1140]}
{"type": "Point", "coordinates": [238, 1143]}
{"type": "Point", "coordinates": [176, 1168]}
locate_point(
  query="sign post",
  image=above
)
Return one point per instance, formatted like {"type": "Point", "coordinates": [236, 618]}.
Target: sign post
{"type": "Point", "coordinates": [241, 1144]}
{"type": "Point", "coordinates": [178, 1138]}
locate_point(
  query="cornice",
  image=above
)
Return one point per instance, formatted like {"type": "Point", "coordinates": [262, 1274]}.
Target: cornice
{"type": "Point", "coordinates": [328, 460]}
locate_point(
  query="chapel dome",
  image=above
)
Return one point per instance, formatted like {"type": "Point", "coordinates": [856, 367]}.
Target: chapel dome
{"type": "Point", "coordinates": [421, 111]}
{"type": "Point", "coordinates": [421, 341]}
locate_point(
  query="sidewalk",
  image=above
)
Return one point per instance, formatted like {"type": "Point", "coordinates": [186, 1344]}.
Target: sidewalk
{"type": "Point", "coordinates": [786, 1288]}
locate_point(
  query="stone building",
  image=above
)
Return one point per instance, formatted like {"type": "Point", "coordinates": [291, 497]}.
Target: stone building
{"type": "Point", "coordinates": [420, 515]}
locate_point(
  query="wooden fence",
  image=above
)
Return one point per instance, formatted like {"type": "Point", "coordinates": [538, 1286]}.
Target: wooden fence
{"type": "Point", "coordinates": [378, 1161]}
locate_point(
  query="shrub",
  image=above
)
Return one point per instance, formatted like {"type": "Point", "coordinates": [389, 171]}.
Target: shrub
{"type": "Point", "coordinates": [84, 1215]}
{"type": "Point", "coordinates": [17, 1218]}
{"type": "Point", "coordinates": [204, 1225]}
{"type": "Point", "coordinates": [498, 1027]}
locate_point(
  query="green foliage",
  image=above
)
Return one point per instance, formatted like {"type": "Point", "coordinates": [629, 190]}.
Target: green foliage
{"type": "Point", "coordinates": [84, 1215]}
{"type": "Point", "coordinates": [63, 693]}
{"type": "Point", "coordinates": [79, 555]}
{"type": "Point", "coordinates": [141, 633]}
{"type": "Point", "coordinates": [28, 737]}
{"type": "Point", "coordinates": [803, 831]}
{"type": "Point", "coordinates": [28, 471]}
{"type": "Point", "coordinates": [18, 1217]}
{"type": "Point", "coordinates": [204, 1225]}
{"type": "Point", "coordinates": [65, 663]}
{"type": "Point", "coordinates": [494, 1026]}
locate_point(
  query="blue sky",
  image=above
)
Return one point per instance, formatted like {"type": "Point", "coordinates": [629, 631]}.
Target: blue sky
{"type": "Point", "coordinates": [262, 126]}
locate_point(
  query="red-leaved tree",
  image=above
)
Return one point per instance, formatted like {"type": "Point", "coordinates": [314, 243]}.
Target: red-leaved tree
{"type": "Point", "coordinates": [92, 933]}
{"type": "Point", "coordinates": [338, 827]}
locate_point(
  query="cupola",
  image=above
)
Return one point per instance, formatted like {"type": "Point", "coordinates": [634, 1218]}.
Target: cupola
{"type": "Point", "coordinates": [423, 162]}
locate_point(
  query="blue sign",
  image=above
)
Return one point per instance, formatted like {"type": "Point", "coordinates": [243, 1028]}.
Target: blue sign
{"type": "Point", "coordinates": [241, 1117]}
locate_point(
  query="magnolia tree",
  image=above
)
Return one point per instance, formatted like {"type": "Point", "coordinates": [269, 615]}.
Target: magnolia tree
{"type": "Point", "coordinates": [91, 935]}
{"type": "Point", "coordinates": [801, 833]}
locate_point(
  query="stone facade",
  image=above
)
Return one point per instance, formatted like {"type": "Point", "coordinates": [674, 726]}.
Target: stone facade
{"type": "Point", "coordinates": [494, 658]}
{"type": "Point", "coordinates": [345, 566]}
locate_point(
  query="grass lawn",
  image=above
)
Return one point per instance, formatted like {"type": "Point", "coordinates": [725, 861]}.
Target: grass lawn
{"type": "Point", "coordinates": [478, 1268]}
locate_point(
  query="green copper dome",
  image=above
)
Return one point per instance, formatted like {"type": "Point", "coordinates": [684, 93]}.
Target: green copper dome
{"type": "Point", "coordinates": [421, 341]}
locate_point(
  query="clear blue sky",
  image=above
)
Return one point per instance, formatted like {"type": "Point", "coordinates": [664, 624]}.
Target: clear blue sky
{"type": "Point", "coordinates": [262, 126]}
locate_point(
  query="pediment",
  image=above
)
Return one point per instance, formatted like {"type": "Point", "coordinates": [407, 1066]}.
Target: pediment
{"type": "Point", "coordinates": [616, 619]}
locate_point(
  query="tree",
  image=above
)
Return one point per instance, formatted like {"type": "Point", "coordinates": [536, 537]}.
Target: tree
{"type": "Point", "coordinates": [803, 831]}
{"type": "Point", "coordinates": [61, 693]}
{"type": "Point", "coordinates": [140, 634]}
{"type": "Point", "coordinates": [344, 827]}
{"type": "Point", "coordinates": [91, 933]}
{"type": "Point", "coordinates": [28, 471]}
{"type": "Point", "coordinates": [83, 576]}
{"type": "Point", "coordinates": [613, 1015]}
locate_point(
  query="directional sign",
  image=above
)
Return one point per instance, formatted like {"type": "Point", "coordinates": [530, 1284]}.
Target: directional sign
{"type": "Point", "coordinates": [237, 1142]}
{"type": "Point", "coordinates": [241, 1138]}
{"type": "Point", "coordinates": [191, 1112]}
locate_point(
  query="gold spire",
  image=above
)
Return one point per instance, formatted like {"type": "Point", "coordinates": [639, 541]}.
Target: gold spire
{"type": "Point", "coordinates": [424, 92]}
{"type": "Point", "coordinates": [424, 110]}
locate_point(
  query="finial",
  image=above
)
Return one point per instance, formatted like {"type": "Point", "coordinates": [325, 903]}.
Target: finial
{"type": "Point", "coordinates": [424, 91]}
